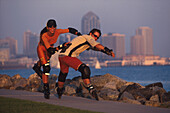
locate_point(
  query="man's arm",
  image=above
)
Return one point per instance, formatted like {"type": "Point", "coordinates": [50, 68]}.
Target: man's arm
{"type": "Point", "coordinates": [103, 49]}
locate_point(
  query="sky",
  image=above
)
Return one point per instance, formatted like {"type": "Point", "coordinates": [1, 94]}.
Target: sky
{"type": "Point", "coordinates": [116, 16]}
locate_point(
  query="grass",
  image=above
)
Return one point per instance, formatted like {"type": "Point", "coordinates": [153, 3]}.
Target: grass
{"type": "Point", "coordinates": [11, 105]}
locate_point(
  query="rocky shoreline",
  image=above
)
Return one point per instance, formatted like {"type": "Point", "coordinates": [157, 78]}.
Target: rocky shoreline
{"type": "Point", "coordinates": [109, 87]}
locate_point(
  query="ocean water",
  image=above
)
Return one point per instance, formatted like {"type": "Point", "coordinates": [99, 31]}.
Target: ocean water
{"type": "Point", "coordinates": [141, 74]}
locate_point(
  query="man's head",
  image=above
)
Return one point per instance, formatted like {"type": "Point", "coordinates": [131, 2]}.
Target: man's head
{"type": "Point", "coordinates": [95, 33]}
{"type": "Point", "coordinates": [51, 26]}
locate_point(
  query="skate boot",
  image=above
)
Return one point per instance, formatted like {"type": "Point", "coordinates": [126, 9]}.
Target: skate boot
{"type": "Point", "coordinates": [92, 91]}
{"type": "Point", "coordinates": [46, 91]}
{"type": "Point", "coordinates": [37, 69]}
{"type": "Point", "coordinates": [60, 92]}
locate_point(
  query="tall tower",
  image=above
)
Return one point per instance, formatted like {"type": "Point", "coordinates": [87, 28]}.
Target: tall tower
{"type": "Point", "coordinates": [89, 21]}
{"type": "Point", "coordinates": [30, 44]}
{"type": "Point", "coordinates": [13, 45]}
{"type": "Point", "coordinates": [137, 45]}
{"type": "Point", "coordinates": [147, 35]}
{"type": "Point", "coordinates": [116, 42]}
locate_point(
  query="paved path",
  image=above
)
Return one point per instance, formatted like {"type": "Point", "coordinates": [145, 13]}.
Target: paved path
{"type": "Point", "coordinates": [83, 103]}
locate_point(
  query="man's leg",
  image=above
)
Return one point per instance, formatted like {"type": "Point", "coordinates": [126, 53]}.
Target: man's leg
{"type": "Point", "coordinates": [61, 81]}
{"type": "Point", "coordinates": [64, 68]}
{"type": "Point", "coordinates": [46, 73]}
{"type": "Point", "coordinates": [37, 69]}
{"type": "Point", "coordinates": [85, 71]}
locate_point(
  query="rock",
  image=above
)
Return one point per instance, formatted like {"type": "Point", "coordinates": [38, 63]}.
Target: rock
{"type": "Point", "coordinates": [17, 76]}
{"type": "Point", "coordinates": [52, 81]}
{"type": "Point", "coordinates": [76, 81]}
{"type": "Point", "coordinates": [19, 82]}
{"type": "Point", "coordinates": [130, 86]}
{"type": "Point", "coordinates": [111, 85]}
{"type": "Point", "coordinates": [166, 97]}
{"type": "Point", "coordinates": [131, 101]}
{"type": "Point", "coordinates": [152, 103]}
{"type": "Point", "coordinates": [70, 90]}
{"type": "Point", "coordinates": [132, 89]}
{"type": "Point", "coordinates": [150, 91]}
{"type": "Point", "coordinates": [142, 100]}
{"type": "Point", "coordinates": [101, 80]}
{"type": "Point", "coordinates": [154, 98]}
{"type": "Point", "coordinates": [109, 94]}
{"type": "Point", "coordinates": [165, 105]}
{"type": "Point", "coordinates": [34, 82]}
{"type": "Point", "coordinates": [126, 96]}
{"type": "Point", "coordinates": [158, 84]}
{"type": "Point", "coordinates": [5, 81]}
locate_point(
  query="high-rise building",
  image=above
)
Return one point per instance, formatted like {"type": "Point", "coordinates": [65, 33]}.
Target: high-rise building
{"type": "Point", "coordinates": [12, 45]}
{"type": "Point", "coordinates": [116, 42]}
{"type": "Point", "coordinates": [137, 43]}
{"type": "Point", "coordinates": [147, 35]}
{"type": "Point", "coordinates": [4, 50]}
{"type": "Point", "coordinates": [89, 21]}
{"type": "Point", "coordinates": [30, 44]}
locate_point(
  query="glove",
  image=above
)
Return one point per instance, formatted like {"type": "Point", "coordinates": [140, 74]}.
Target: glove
{"type": "Point", "coordinates": [107, 51]}
{"type": "Point", "coordinates": [51, 50]}
{"type": "Point", "coordinates": [61, 46]}
{"type": "Point", "coordinates": [72, 30]}
{"type": "Point", "coordinates": [79, 34]}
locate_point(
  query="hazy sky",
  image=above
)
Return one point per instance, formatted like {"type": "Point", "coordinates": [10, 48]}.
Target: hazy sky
{"type": "Point", "coordinates": [120, 16]}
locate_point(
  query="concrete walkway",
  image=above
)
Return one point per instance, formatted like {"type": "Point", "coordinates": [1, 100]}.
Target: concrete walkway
{"type": "Point", "coordinates": [83, 103]}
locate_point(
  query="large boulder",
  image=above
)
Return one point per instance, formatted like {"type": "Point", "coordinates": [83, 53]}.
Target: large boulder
{"type": "Point", "coordinates": [158, 84]}
{"type": "Point", "coordinates": [153, 101]}
{"type": "Point", "coordinates": [5, 81]}
{"type": "Point", "coordinates": [101, 80]}
{"type": "Point", "coordinates": [19, 83]}
{"type": "Point", "coordinates": [70, 90]}
{"type": "Point", "coordinates": [126, 96]}
{"type": "Point", "coordinates": [166, 97]}
{"type": "Point", "coordinates": [33, 83]}
{"type": "Point", "coordinates": [132, 89]}
{"type": "Point", "coordinates": [52, 81]}
{"type": "Point", "coordinates": [109, 94]}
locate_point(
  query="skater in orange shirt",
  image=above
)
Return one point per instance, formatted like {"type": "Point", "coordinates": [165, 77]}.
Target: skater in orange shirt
{"type": "Point", "coordinates": [46, 49]}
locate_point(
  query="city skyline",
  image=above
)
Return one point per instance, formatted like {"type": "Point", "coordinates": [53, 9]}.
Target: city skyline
{"type": "Point", "coordinates": [142, 42]}
{"type": "Point", "coordinates": [116, 16]}
{"type": "Point", "coordinates": [89, 21]}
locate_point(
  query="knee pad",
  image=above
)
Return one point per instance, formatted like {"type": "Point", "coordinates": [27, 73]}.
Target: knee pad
{"type": "Point", "coordinates": [62, 77]}
{"type": "Point", "coordinates": [85, 71]}
{"type": "Point", "coordinates": [46, 69]}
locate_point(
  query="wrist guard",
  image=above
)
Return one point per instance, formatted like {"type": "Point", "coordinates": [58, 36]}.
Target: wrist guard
{"type": "Point", "coordinates": [107, 51]}
{"type": "Point", "coordinates": [72, 30]}
{"type": "Point", "coordinates": [51, 50]}
{"type": "Point", "coordinates": [61, 46]}
{"type": "Point", "coordinates": [79, 34]}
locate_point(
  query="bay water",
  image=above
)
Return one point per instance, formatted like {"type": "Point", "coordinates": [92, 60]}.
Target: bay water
{"type": "Point", "coordinates": [140, 74]}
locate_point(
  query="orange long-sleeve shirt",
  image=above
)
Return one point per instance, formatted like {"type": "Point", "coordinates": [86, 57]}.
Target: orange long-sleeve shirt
{"type": "Point", "coordinates": [48, 41]}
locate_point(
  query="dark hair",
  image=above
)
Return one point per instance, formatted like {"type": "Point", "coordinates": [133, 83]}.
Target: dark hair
{"type": "Point", "coordinates": [44, 30]}
{"type": "Point", "coordinates": [51, 23]}
{"type": "Point", "coordinates": [95, 30]}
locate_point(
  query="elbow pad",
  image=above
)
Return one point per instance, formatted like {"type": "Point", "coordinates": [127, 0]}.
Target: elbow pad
{"type": "Point", "coordinates": [72, 30]}
{"type": "Point", "coordinates": [107, 51]}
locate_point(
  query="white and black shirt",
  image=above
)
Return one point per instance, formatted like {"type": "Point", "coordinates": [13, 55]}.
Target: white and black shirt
{"type": "Point", "coordinates": [78, 45]}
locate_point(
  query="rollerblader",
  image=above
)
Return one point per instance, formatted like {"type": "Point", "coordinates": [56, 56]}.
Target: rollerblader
{"type": "Point", "coordinates": [46, 49]}
{"type": "Point", "coordinates": [68, 58]}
